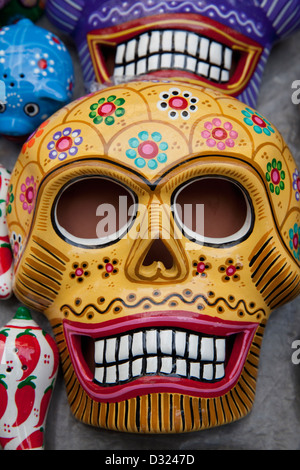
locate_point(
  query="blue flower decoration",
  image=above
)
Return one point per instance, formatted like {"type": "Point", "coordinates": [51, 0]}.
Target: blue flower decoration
{"type": "Point", "coordinates": [147, 150]}
{"type": "Point", "coordinates": [259, 123]}
{"type": "Point", "coordinates": [294, 234]}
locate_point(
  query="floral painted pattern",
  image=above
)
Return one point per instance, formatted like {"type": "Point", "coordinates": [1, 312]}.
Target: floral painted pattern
{"type": "Point", "coordinates": [178, 103]}
{"type": "Point", "coordinates": [27, 197]}
{"type": "Point", "coordinates": [16, 244]}
{"type": "Point", "coordinates": [219, 135]}
{"type": "Point", "coordinates": [42, 64]}
{"type": "Point", "coordinates": [147, 150]}
{"type": "Point", "coordinates": [9, 199]}
{"type": "Point", "coordinates": [257, 122]}
{"type": "Point", "coordinates": [108, 267]}
{"type": "Point", "coordinates": [275, 176]}
{"type": "Point", "coordinates": [79, 271]}
{"type": "Point", "coordinates": [201, 266]}
{"type": "Point", "coordinates": [106, 110]}
{"type": "Point", "coordinates": [55, 42]}
{"type": "Point", "coordinates": [64, 143]}
{"type": "Point", "coordinates": [296, 184]}
{"type": "Point", "coordinates": [230, 270]}
{"type": "Point", "coordinates": [2, 201]}
{"type": "Point", "coordinates": [32, 138]}
{"type": "Point", "coordinates": [294, 235]}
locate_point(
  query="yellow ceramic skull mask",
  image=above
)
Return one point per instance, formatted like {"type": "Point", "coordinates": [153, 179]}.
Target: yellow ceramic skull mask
{"type": "Point", "coordinates": [159, 318]}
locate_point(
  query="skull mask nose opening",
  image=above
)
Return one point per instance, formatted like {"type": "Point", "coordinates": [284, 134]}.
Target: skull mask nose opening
{"type": "Point", "coordinates": [158, 252]}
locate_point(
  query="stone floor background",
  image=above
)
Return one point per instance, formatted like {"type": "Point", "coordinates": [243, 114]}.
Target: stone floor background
{"type": "Point", "coordinates": [274, 422]}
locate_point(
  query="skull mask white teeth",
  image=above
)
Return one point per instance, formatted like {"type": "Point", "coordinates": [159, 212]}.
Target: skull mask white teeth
{"type": "Point", "coordinates": [151, 309]}
{"type": "Point", "coordinates": [223, 45]}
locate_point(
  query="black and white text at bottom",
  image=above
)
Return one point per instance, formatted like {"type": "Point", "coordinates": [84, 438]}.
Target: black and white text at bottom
{"type": "Point", "coordinates": [150, 458]}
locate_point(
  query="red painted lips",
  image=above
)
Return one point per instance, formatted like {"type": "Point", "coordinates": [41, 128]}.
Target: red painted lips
{"type": "Point", "coordinates": [172, 352]}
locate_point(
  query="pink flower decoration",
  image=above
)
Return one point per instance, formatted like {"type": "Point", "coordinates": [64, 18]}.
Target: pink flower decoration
{"type": "Point", "coordinates": [28, 194]}
{"type": "Point", "coordinates": [219, 136]}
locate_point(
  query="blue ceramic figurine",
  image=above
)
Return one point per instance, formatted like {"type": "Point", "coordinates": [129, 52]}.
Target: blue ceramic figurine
{"type": "Point", "coordinates": [37, 75]}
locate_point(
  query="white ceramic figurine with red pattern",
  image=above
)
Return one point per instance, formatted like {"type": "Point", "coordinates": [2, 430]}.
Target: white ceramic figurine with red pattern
{"type": "Point", "coordinates": [28, 370]}
{"type": "Point", "coordinates": [6, 259]}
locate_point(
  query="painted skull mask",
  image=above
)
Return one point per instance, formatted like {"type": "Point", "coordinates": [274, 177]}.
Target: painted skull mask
{"type": "Point", "coordinates": [221, 44]}
{"type": "Point", "coordinates": [159, 322]}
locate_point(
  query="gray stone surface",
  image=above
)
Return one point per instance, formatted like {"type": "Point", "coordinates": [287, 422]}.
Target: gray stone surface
{"type": "Point", "coordinates": [274, 421]}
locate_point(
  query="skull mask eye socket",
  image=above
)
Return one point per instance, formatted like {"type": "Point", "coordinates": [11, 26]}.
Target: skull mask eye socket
{"type": "Point", "coordinates": [213, 211]}
{"type": "Point", "coordinates": [93, 211]}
